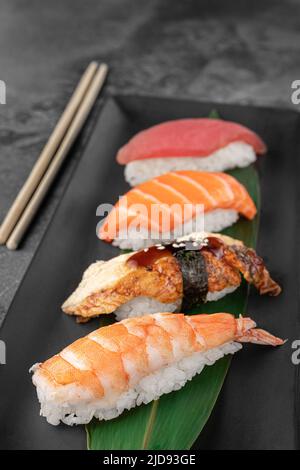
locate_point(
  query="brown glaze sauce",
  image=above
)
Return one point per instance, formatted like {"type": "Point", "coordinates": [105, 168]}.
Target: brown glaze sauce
{"type": "Point", "coordinates": [147, 257]}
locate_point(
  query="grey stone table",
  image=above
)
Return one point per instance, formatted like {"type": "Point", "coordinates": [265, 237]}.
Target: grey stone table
{"type": "Point", "coordinates": [238, 51]}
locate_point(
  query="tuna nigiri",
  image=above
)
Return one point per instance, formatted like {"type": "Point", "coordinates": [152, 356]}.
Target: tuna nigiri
{"type": "Point", "coordinates": [202, 144]}
{"type": "Point", "coordinates": [118, 367]}
{"type": "Point", "coordinates": [202, 267]}
{"type": "Point", "coordinates": [169, 206]}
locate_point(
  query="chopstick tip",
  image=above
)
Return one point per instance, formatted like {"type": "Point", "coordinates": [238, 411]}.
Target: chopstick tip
{"type": "Point", "coordinates": [11, 244]}
{"type": "Point", "coordinates": [93, 64]}
{"type": "Point", "coordinates": [103, 67]}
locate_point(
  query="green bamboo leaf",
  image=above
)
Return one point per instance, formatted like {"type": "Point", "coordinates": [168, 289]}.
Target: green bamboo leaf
{"type": "Point", "coordinates": [176, 420]}
{"type": "Point", "coordinates": [214, 114]}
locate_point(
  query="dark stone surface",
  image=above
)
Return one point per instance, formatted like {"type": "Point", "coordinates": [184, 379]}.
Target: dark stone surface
{"type": "Point", "coordinates": [238, 52]}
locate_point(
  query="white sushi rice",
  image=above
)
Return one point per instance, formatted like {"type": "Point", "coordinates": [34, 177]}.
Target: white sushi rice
{"type": "Point", "coordinates": [144, 306]}
{"type": "Point", "coordinates": [216, 295]}
{"type": "Point", "coordinates": [214, 221]}
{"type": "Point", "coordinates": [141, 306]}
{"type": "Point", "coordinates": [72, 404]}
{"type": "Point", "coordinates": [236, 154]}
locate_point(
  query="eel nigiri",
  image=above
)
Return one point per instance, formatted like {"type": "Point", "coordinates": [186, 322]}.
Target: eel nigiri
{"type": "Point", "coordinates": [120, 366]}
{"type": "Point", "coordinates": [169, 206]}
{"type": "Point", "coordinates": [202, 267]}
{"type": "Point", "coordinates": [202, 144]}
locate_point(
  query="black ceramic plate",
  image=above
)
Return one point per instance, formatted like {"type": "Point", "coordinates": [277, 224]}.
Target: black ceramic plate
{"type": "Point", "coordinates": [258, 407]}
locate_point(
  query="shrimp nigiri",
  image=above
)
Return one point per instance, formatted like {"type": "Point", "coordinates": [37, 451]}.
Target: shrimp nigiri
{"type": "Point", "coordinates": [120, 366]}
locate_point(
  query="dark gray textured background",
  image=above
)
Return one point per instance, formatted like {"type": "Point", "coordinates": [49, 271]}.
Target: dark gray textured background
{"type": "Point", "coordinates": [235, 52]}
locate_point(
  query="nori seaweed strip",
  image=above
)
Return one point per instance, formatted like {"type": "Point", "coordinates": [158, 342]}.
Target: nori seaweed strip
{"type": "Point", "coordinates": [194, 277]}
{"type": "Point", "coordinates": [191, 263]}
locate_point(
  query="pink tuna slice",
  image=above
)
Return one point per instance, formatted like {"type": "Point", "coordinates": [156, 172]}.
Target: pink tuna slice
{"type": "Point", "coordinates": [187, 138]}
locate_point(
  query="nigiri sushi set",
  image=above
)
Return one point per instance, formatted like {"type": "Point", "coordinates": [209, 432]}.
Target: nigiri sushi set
{"type": "Point", "coordinates": [129, 324]}
{"type": "Point", "coordinates": [153, 351]}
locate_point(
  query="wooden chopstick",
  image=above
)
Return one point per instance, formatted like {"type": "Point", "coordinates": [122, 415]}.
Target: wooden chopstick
{"type": "Point", "coordinates": [47, 153]}
{"type": "Point", "coordinates": [69, 138]}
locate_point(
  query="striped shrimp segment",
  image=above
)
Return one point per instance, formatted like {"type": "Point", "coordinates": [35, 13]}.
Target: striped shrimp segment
{"type": "Point", "coordinates": [113, 379]}
{"type": "Point", "coordinates": [182, 334]}
{"type": "Point", "coordinates": [157, 341]}
{"type": "Point", "coordinates": [60, 374]}
{"type": "Point", "coordinates": [131, 347]}
{"type": "Point", "coordinates": [113, 359]}
{"type": "Point", "coordinates": [173, 192]}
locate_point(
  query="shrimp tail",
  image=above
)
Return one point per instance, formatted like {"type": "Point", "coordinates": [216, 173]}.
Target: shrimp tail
{"type": "Point", "coordinates": [258, 336]}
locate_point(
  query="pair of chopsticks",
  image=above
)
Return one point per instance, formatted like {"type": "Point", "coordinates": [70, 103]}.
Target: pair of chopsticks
{"type": "Point", "coordinates": [52, 156]}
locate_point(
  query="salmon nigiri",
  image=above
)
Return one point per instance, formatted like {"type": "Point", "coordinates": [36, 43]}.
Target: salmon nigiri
{"type": "Point", "coordinates": [176, 204]}
{"type": "Point", "coordinates": [120, 366]}
{"type": "Point", "coordinates": [202, 144]}
{"type": "Point", "coordinates": [200, 268]}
